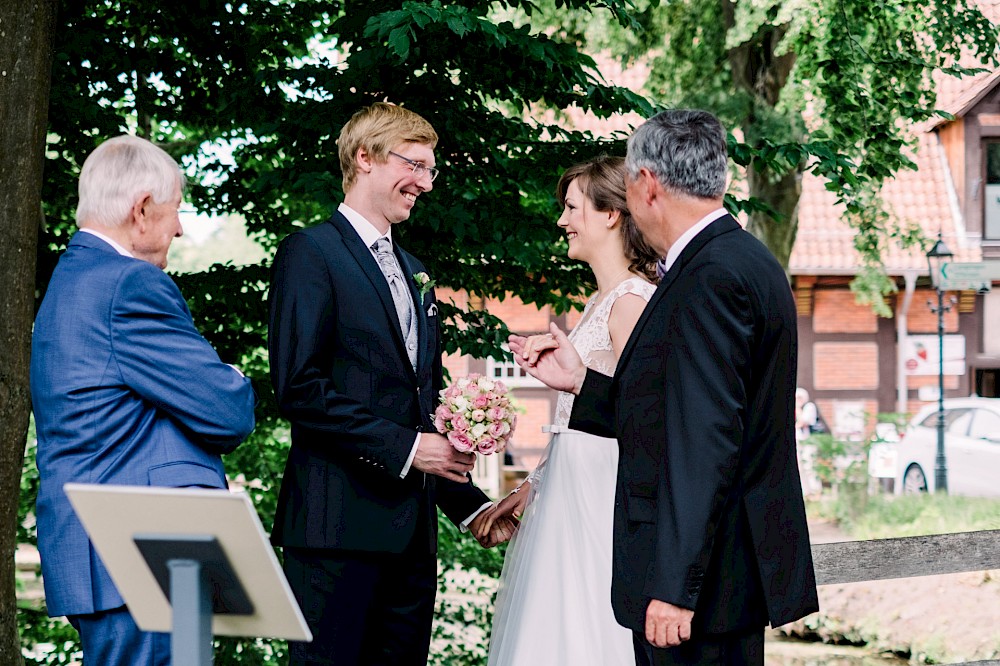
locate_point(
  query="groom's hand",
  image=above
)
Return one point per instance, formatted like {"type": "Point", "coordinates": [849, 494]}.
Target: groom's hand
{"type": "Point", "coordinates": [667, 625]}
{"type": "Point", "coordinates": [435, 455]}
{"type": "Point", "coordinates": [498, 531]}
{"type": "Point", "coordinates": [510, 508]}
{"type": "Point", "coordinates": [551, 358]}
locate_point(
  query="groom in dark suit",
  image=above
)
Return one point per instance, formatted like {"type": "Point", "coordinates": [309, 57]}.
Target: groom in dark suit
{"type": "Point", "coordinates": [356, 364]}
{"type": "Point", "coordinates": [710, 538]}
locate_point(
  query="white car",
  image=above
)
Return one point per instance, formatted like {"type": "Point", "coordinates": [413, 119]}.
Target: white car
{"type": "Point", "coordinates": [971, 447]}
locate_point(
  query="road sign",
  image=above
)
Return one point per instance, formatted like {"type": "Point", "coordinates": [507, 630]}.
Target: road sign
{"type": "Point", "coordinates": [920, 354]}
{"type": "Point", "coordinates": [968, 276]}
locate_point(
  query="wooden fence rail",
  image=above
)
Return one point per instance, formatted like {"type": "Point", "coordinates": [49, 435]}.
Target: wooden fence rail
{"type": "Point", "coordinates": [883, 559]}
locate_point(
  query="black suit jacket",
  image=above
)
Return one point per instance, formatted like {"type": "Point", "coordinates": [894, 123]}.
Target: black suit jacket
{"type": "Point", "coordinates": [342, 378]}
{"type": "Point", "coordinates": [708, 511]}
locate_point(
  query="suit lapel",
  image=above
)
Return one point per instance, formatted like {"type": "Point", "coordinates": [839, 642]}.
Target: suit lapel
{"type": "Point", "coordinates": [720, 226]}
{"type": "Point", "coordinates": [366, 261]}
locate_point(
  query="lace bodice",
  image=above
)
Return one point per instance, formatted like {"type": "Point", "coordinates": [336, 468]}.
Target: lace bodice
{"type": "Point", "coordinates": [593, 340]}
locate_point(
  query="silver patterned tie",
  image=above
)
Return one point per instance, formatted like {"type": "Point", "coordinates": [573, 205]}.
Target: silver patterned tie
{"type": "Point", "coordinates": [404, 307]}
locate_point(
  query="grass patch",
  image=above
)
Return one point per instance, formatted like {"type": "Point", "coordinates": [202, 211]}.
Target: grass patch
{"type": "Point", "coordinates": [888, 516]}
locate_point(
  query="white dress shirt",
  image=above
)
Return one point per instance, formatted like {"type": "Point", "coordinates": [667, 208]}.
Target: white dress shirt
{"type": "Point", "coordinates": [682, 242]}
{"type": "Point", "coordinates": [118, 248]}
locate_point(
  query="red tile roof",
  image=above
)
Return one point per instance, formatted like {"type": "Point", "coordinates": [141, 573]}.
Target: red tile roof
{"type": "Point", "coordinates": [824, 245]}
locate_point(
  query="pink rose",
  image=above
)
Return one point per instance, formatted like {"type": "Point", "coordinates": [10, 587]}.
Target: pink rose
{"type": "Point", "coordinates": [460, 441]}
{"type": "Point", "coordinates": [440, 424]}
{"type": "Point", "coordinates": [497, 414]}
{"type": "Point", "coordinates": [500, 387]}
{"type": "Point", "coordinates": [442, 412]}
{"type": "Point", "coordinates": [487, 445]}
{"type": "Point", "coordinates": [453, 391]}
{"type": "Point", "coordinates": [496, 429]}
{"type": "Point", "coordinates": [478, 415]}
{"type": "Point", "coordinates": [459, 423]}
{"type": "Point", "coordinates": [481, 402]}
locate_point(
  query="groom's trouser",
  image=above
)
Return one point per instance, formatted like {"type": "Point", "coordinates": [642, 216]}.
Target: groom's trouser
{"type": "Point", "coordinates": [364, 609]}
{"type": "Point", "coordinates": [742, 648]}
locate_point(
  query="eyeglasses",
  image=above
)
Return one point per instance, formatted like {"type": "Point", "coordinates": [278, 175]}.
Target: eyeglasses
{"type": "Point", "coordinates": [418, 168]}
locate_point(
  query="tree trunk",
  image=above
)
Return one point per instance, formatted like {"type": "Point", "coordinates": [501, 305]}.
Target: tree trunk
{"type": "Point", "coordinates": [783, 196]}
{"type": "Point", "coordinates": [760, 71]}
{"type": "Point", "coordinates": [26, 35]}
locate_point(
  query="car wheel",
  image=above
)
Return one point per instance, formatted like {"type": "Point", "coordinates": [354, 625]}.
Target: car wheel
{"type": "Point", "coordinates": [914, 481]}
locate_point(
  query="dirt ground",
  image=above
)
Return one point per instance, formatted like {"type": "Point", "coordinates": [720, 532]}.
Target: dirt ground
{"type": "Point", "coordinates": [943, 619]}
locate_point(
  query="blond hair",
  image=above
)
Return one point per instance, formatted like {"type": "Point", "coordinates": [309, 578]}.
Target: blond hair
{"type": "Point", "coordinates": [378, 129]}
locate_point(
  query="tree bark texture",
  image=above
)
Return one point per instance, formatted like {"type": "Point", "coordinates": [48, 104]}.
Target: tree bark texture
{"type": "Point", "coordinates": [760, 71]}
{"type": "Point", "coordinates": [27, 30]}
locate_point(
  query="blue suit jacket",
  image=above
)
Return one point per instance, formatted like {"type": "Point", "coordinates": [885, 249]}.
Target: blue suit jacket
{"type": "Point", "coordinates": [125, 391]}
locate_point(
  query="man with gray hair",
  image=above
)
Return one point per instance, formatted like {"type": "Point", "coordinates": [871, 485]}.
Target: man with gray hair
{"type": "Point", "coordinates": [124, 389]}
{"type": "Point", "coordinates": [711, 541]}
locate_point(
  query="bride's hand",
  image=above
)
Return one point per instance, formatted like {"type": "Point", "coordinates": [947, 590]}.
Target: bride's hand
{"type": "Point", "coordinates": [535, 344]}
{"type": "Point", "coordinates": [552, 359]}
{"type": "Point", "coordinates": [513, 505]}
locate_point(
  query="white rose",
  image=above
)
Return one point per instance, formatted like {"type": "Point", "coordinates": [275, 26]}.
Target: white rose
{"type": "Point", "coordinates": [486, 384]}
{"type": "Point", "coordinates": [478, 430]}
{"type": "Point", "coordinates": [459, 403]}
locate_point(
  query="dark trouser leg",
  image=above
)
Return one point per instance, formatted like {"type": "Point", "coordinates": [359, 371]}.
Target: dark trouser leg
{"type": "Point", "coordinates": [111, 638]}
{"type": "Point", "coordinates": [399, 632]}
{"type": "Point", "coordinates": [733, 649]}
{"type": "Point", "coordinates": [362, 608]}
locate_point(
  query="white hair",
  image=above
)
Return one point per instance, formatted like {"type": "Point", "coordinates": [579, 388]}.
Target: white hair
{"type": "Point", "coordinates": [117, 173]}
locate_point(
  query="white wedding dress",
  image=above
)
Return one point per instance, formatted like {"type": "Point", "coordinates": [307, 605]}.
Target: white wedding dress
{"type": "Point", "coordinates": [553, 606]}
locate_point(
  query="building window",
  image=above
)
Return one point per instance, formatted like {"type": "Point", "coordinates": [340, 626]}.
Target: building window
{"type": "Point", "coordinates": [510, 373]}
{"type": "Point", "coordinates": [991, 214]}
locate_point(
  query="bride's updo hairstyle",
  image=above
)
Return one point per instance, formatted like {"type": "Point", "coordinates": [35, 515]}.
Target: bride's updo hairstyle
{"type": "Point", "coordinates": [602, 181]}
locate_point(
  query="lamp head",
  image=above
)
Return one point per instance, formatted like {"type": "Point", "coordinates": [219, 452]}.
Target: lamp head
{"type": "Point", "coordinates": [936, 256]}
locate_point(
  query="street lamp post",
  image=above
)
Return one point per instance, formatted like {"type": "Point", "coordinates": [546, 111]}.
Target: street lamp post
{"type": "Point", "coordinates": [936, 256]}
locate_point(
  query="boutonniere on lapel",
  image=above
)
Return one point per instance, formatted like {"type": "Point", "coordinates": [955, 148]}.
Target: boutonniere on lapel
{"type": "Point", "coordinates": [424, 282]}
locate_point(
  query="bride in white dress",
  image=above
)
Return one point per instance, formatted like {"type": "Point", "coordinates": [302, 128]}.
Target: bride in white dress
{"type": "Point", "coordinates": [553, 606]}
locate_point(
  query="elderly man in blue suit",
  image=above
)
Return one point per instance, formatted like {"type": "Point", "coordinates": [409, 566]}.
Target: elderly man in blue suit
{"type": "Point", "coordinates": [124, 389]}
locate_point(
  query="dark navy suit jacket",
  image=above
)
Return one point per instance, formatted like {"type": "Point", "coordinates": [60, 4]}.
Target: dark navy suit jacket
{"type": "Point", "coordinates": [343, 379]}
{"type": "Point", "coordinates": [708, 512]}
{"type": "Point", "coordinates": [125, 391]}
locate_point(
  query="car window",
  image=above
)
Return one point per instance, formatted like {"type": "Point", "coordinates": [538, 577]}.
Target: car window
{"type": "Point", "coordinates": [958, 421]}
{"type": "Point", "coordinates": [985, 425]}
{"type": "Point", "coordinates": [950, 416]}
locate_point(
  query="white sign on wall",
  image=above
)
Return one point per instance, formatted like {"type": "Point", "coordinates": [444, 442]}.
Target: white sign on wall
{"type": "Point", "coordinates": [920, 354]}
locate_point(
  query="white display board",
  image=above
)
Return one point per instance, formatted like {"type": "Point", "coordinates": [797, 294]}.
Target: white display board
{"type": "Point", "coordinates": [113, 515]}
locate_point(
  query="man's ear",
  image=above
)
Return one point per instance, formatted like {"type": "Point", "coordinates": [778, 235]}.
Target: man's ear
{"type": "Point", "coordinates": [650, 186]}
{"type": "Point", "coordinates": [139, 207]}
{"type": "Point", "coordinates": [363, 159]}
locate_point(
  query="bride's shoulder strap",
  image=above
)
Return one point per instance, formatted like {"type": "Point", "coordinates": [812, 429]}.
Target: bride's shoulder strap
{"type": "Point", "coordinates": [633, 285]}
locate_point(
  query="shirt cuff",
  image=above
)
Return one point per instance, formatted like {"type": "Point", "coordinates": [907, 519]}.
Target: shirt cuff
{"type": "Point", "coordinates": [409, 460]}
{"type": "Point", "coordinates": [464, 527]}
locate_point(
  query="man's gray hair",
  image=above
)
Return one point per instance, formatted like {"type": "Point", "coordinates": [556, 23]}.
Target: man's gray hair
{"type": "Point", "coordinates": [685, 149]}
{"type": "Point", "coordinates": [117, 173]}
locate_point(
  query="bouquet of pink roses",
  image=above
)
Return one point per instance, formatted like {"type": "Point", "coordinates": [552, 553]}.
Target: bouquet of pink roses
{"type": "Point", "coordinates": [475, 414]}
